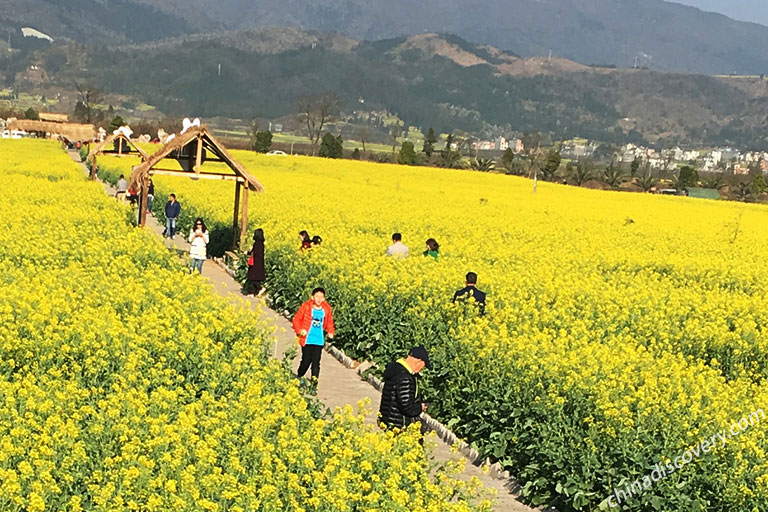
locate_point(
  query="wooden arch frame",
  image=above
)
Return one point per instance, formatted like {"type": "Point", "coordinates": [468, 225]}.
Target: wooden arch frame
{"type": "Point", "coordinates": [104, 148]}
{"type": "Point", "coordinates": [198, 139]}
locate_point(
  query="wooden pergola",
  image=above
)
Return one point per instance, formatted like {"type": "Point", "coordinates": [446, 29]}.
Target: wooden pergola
{"type": "Point", "coordinates": [115, 145]}
{"type": "Point", "coordinates": [190, 150]}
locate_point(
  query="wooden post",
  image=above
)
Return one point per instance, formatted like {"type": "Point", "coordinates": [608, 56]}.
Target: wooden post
{"type": "Point", "coordinates": [143, 202]}
{"type": "Point", "coordinates": [199, 156]}
{"type": "Point", "coordinates": [235, 219]}
{"type": "Point", "coordinates": [244, 219]}
{"type": "Point", "coordinates": [93, 167]}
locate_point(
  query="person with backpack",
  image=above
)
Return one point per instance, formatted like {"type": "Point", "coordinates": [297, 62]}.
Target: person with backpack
{"type": "Point", "coordinates": [312, 323]}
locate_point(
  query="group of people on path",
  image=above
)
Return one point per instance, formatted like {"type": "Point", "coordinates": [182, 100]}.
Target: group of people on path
{"type": "Point", "coordinates": [401, 402]}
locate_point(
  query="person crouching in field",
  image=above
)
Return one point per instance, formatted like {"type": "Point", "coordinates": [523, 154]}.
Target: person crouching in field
{"type": "Point", "coordinates": [401, 404]}
{"type": "Point", "coordinates": [312, 322]}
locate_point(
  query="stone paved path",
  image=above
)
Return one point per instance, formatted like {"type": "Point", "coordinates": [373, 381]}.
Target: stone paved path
{"type": "Point", "coordinates": [338, 385]}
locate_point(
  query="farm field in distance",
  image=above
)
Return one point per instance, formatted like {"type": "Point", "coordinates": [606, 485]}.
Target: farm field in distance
{"type": "Point", "coordinates": [620, 328]}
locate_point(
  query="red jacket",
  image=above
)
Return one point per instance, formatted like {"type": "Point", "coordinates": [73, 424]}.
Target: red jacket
{"type": "Point", "coordinates": [302, 321]}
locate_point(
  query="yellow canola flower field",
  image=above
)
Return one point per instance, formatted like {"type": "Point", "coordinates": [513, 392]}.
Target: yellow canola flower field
{"type": "Point", "coordinates": [620, 329]}
{"type": "Point", "coordinates": [125, 384]}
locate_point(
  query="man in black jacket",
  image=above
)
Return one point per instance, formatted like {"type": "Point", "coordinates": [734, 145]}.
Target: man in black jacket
{"type": "Point", "coordinates": [401, 403]}
{"type": "Point", "coordinates": [471, 290]}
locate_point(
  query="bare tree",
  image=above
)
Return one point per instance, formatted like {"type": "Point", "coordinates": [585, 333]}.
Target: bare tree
{"type": "Point", "coordinates": [394, 133]}
{"type": "Point", "coordinates": [363, 134]}
{"type": "Point", "coordinates": [88, 97]}
{"type": "Point", "coordinates": [315, 111]}
{"type": "Point", "coordinates": [253, 131]}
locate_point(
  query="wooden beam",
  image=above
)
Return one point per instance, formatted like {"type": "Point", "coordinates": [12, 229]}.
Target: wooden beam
{"type": "Point", "coordinates": [244, 219]}
{"type": "Point", "coordinates": [199, 156]}
{"type": "Point", "coordinates": [204, 175]}
{"type": "Point", "coordinates": [234, 217]}
{"type": "Point", "coordinates": [143, 203]}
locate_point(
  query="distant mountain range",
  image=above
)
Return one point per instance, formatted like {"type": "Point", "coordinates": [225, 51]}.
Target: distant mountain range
{"type": "Point", "coordinates": [652, 33]}
{"type": "Point", "coordinates": [428, 80]}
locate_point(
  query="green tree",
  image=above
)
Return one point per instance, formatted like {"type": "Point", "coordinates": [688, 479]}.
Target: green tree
{"type": "Point", "coordinates": [31, 114]}
{"type": "Point", "coordinates": [508, 158]}
{"type": "Point", "coordinates": [646, 180]}
{"type": "Point", "coordinates": [331, 147]}
{"type": "Point", "coordinates": [613, 175]}
{"type": "Point", "coordinates": [81, 112]}
{"type": "Point", "coordinates": [634, 167]}
{"type": "Point", "coordinates": [551, 165]}
{"type": "Point", "coordinates": [581, 172]}
{"type": "Point", "coordinates": [758, 184]}
{"type": "Point", "coordinates": [356, 154]}
{"type": "Point", "coordinates": [116, 123]}
{"type": "Point", "coordinates": [743, 191]}
{"type": "Point", "coordinates": [688, 177]}
{"type": "Point", "coordinates": [483, 164]}
{"type": "Point", "coordinates": [429, 142]}
{"type": "Point", "coordinates": [263, 141]}
{"type": "Point", "coordinates": [407, 154]}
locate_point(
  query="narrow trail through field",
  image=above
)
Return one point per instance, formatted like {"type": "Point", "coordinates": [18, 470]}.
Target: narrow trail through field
{"type": "Point", "coordinates": [338, 385]}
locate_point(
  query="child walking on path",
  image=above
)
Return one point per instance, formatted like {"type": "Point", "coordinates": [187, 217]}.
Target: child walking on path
{"type": "Point", "coordinates": [312, 322]}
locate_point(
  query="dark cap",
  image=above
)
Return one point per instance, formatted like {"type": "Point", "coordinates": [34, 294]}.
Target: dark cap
{"type": "Point", "coordinates": [421, 353]}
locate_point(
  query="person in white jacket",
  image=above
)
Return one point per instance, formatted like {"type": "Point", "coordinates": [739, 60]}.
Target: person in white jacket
{"type": "Point", "coordinates": [198, 237]}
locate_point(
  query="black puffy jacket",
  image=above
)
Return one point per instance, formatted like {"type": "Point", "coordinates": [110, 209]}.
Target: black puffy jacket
{"type": "Point", "coordinates": [400, 404]}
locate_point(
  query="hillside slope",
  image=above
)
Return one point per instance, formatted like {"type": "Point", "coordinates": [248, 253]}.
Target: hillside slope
{"type": "Point", "coordinates": [660, 35]}
{"type": "Point", "coordinates": [429, 80]}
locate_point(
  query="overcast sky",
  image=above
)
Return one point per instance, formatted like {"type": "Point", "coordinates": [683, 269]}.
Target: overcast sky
{"type": "Point", "coordinates": [745, 10]}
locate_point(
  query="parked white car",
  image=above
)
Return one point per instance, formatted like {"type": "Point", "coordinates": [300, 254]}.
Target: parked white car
{"type": "Point", "coordinates": [277, 152]}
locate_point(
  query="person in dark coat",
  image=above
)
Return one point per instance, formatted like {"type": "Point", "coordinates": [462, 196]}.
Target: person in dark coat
{"type": "Point", "coordinates": [256, 273]}
{"type": "Point", "coordinates": [471, 290]}
{"type": "Point", "coordinates": [401, 403]}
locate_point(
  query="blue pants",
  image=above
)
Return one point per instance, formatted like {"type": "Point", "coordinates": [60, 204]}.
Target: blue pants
{"type": "Point", "coordinates": [196, 264]}
{"type": "Point", "coordinates": [170, 227]}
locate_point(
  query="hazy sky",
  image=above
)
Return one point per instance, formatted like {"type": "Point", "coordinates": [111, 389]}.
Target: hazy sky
{"type": "Point", "coordinates": [745, 10]}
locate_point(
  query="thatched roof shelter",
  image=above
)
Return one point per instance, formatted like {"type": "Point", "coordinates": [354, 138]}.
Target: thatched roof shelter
{"type": "Point", "coordinates": [53, 118]}
{"type": "Point", "coordinates": [71, 131]}
{"type": "Point", "coordinates": [188, 152]}
{"type": "Point", "coordinates": [116, 144]}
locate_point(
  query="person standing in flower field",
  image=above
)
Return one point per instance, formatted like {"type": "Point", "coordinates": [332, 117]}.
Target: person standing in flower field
{"type": "Point", "coordinates": [401, 404]}
{"type": "Point", "coordinates": [150, 196]}
{"type": "Point", "coordinates": [471, 290]}
{"type": "Point", "coordinates": [121, 188]}
{"type": "Point", "coordinates": [306, 241]}
{"type": "Point", "coordinates": [433, 248]}
{"type": "Point", "coordinates": [398, 248]}
{"type": "Point", "coordinates": [198, 250]}
{"type": "Point", "coordinates": [172, 211]}
{"type": "Point", "coordinates": [256, 271]}
{"type": "Point", "coordinates": [312, 322]}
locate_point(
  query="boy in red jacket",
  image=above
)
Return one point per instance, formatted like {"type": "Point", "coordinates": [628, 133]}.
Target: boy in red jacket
{"type": "Point", "coordinates": [312, 322]}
